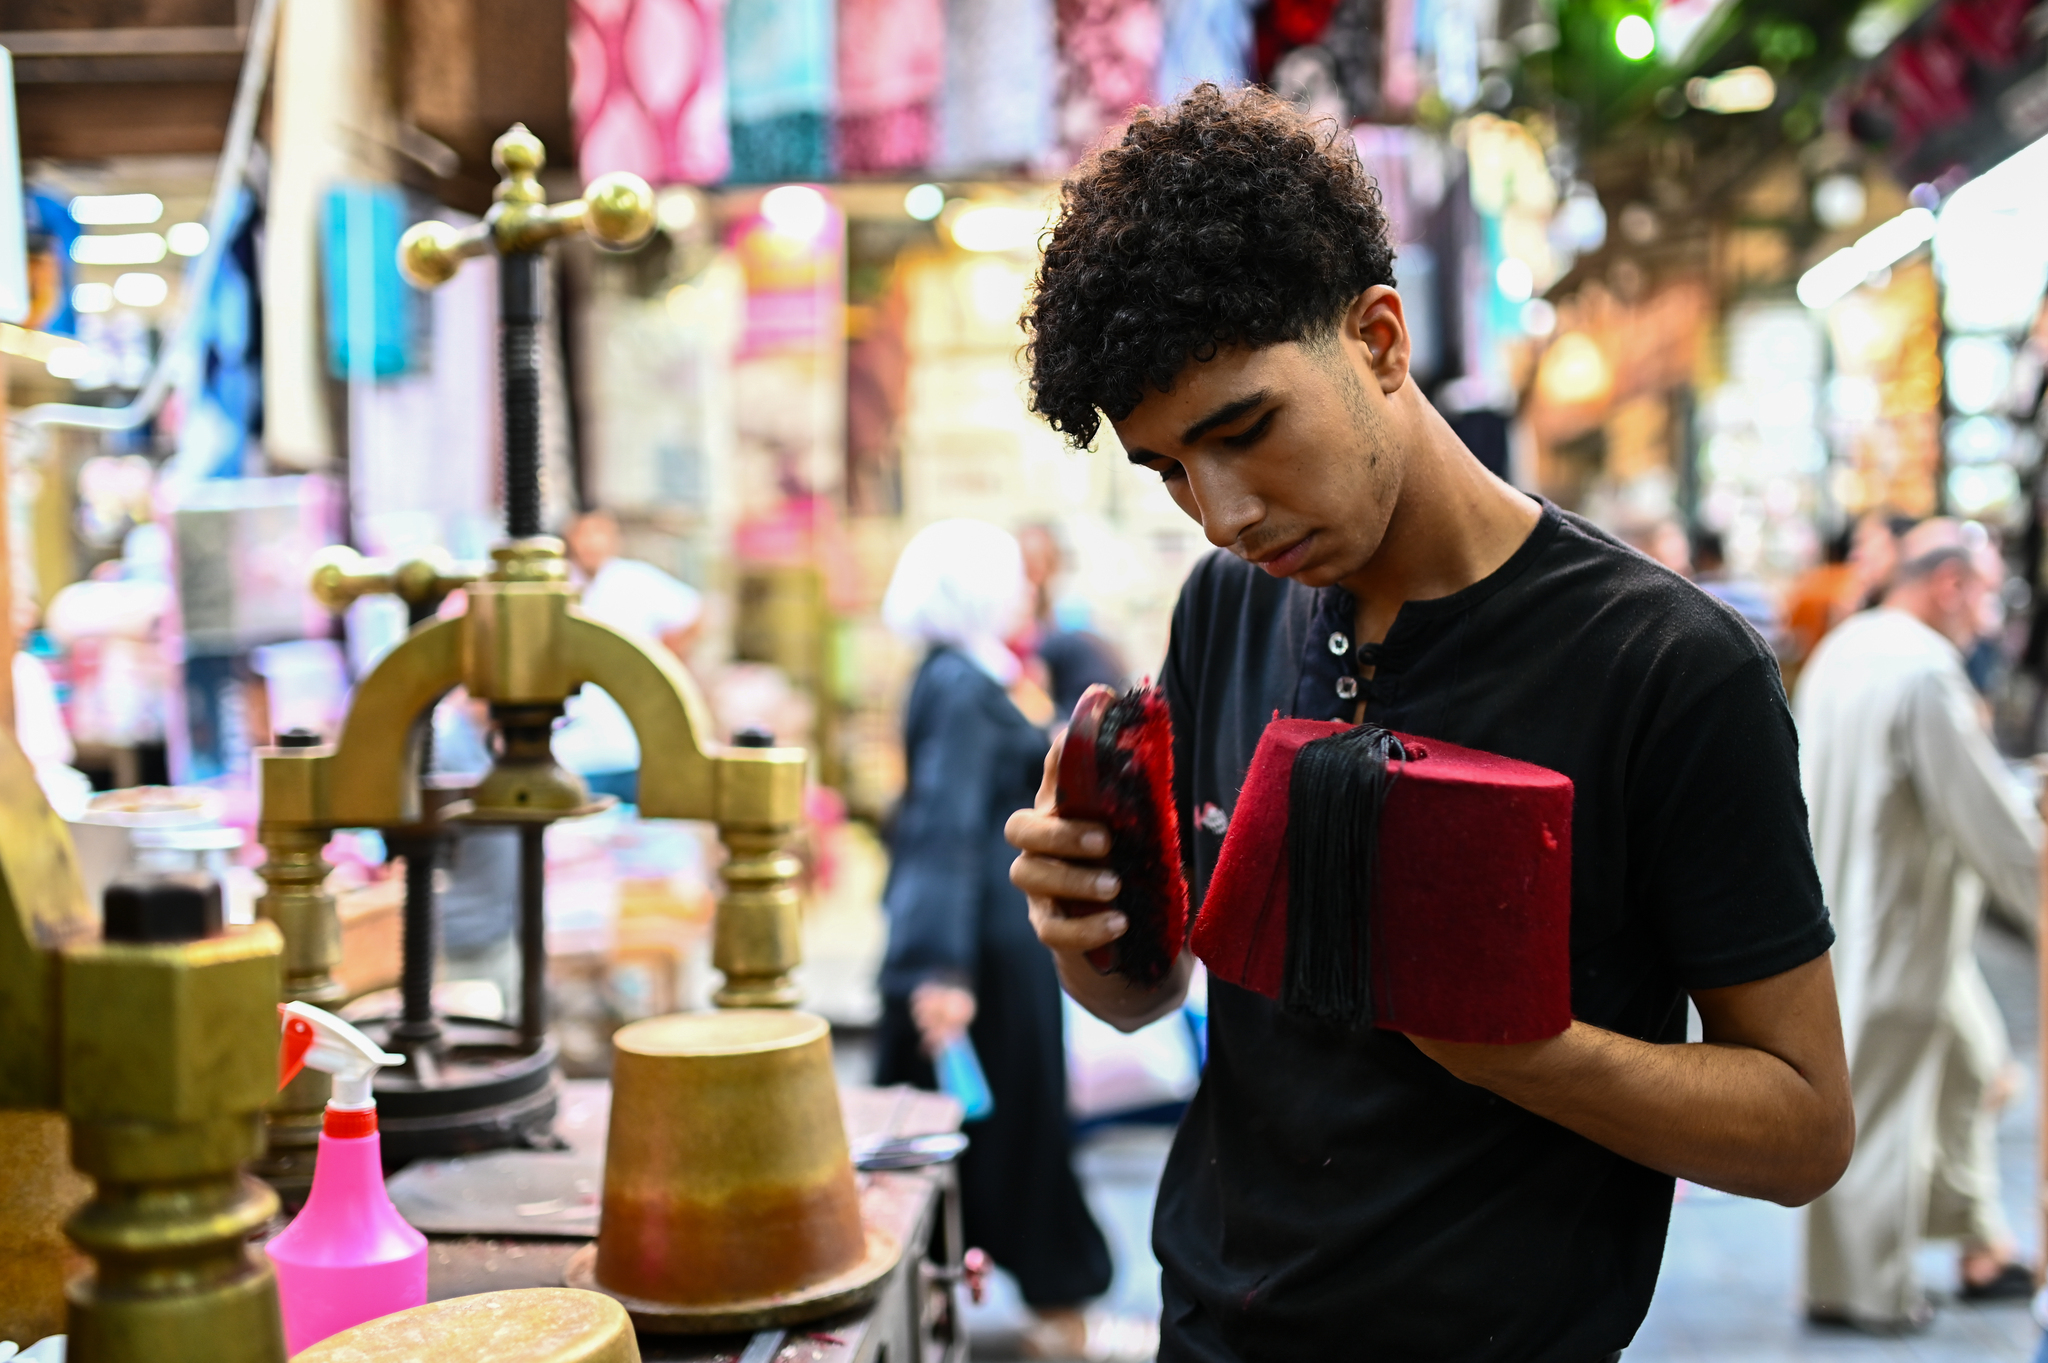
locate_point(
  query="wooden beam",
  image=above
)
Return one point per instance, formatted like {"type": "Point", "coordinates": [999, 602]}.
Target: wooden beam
{"type": "Point", "coordinates": [126, 42]}
{"type": "Point", "coordinates": [84, 122]}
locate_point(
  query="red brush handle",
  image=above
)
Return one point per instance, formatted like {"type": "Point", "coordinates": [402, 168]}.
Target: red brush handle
{"type": "Point", "coordinates": [1078, 795]}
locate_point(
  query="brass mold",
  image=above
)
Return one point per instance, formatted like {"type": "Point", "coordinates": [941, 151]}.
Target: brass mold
{"type": "Point", "coordinates": [728, 1185]}
{"type": "Point", "coordinates": [531, 1325]}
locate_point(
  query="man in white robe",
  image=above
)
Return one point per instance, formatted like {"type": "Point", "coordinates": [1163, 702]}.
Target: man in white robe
{"type": "Point", "coordinates": [1914, 817]}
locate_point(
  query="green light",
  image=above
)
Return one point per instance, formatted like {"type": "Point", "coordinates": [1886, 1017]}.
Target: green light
{"type": "Point", "coordinates": [1634, 38]}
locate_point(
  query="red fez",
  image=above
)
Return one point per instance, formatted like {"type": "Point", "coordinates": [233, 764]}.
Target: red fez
{"type": "Point", "coordinates": [1375, 878]}
{"type": "Point", "coordinates": [1116, 768]}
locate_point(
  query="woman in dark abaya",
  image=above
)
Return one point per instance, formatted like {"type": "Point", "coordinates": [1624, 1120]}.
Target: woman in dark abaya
{"type": "Point", "coordinates": [962, 956]}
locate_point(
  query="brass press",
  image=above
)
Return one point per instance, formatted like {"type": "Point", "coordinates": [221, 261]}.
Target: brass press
{"type": "Point", "coordinates": [522, 646]}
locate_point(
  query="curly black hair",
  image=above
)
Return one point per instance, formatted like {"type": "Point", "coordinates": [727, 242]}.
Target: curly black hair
{"type": "Point", "coordinates": [1224, 219]}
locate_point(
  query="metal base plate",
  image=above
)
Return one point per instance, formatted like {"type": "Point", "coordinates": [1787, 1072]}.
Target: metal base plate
{"type": "Point", "coordinates": [857, 1286]}
{"type": "Point", "coordinates": [487, 1093]}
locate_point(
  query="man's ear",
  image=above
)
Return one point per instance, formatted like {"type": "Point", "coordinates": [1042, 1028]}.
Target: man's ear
{"type": "Point", "coordinates": [1376, 323]}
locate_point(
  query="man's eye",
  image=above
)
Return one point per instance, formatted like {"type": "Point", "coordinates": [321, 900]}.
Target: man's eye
{"type": "Point", "coordinates": [1251, 434]}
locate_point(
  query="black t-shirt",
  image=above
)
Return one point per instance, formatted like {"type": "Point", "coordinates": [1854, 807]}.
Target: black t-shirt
{"type": "Point", "coordinates": [1343, 1195]}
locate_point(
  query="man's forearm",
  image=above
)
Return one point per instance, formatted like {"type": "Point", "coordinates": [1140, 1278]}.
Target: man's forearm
{"type": "Point", "coordinates": [1728, 1116]}
{"type": "Point", "coordinates": [1118, 1002]}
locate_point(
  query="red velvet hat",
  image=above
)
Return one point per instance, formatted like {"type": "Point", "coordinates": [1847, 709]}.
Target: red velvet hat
{"type": "Point", "coordinates": [1116, 768]}
{"type": "Point", "coordinates": [1455, 863]}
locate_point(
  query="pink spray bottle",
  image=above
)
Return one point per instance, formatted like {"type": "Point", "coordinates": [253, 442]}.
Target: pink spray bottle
{"type": "Point", "coordinates": [348, 1256]}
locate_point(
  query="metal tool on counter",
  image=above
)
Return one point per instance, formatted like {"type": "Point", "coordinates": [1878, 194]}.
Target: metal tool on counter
{"type": "Point", "coordinates": [522, 646]}
{"type": "Point", "coordinates": [155, 1040]}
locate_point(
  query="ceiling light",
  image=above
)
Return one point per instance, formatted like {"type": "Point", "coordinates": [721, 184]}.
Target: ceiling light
{"type": "Point", "coordinates": [996, 227]}
{"type": "Point", "coordinates": [116, 210]}
{"type": "Point", "coordinates": [69, 362]}
{"type": "Point", "coordinates": [1634, 38]}
{"type": "Point", "coordinates": [1880, 248]}
{"type": "Point", "coordinates": [92, 297]}
{"type": "Point", "coordinates": [186, 238]}
{"type": "Point", "coordinates": [1743, 90]}
{"type": "Point", "coordinates": [1539, 317]}
{"type": "Point", "coordinates": [795, 210]}
{"type": "Point", "coordinates": [1840, 201]}
{"type": "Point", "coordinates": [1515, 280]}
{"type": "Point", "coordinates": [141, 290]}
{"type": "Point", "coordinates": [129, 248]}
{"type": "Point", "coordinates": [924, 202]}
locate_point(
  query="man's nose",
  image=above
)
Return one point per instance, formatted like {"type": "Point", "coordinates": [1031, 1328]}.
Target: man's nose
{"type": "Point", "coordinates": [1227, 508]}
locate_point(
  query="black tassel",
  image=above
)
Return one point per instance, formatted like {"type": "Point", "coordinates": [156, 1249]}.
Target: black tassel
{"type": "Point", "coordinates": [1139, 851]}
{"type": "Point", "coordinates": [1334, 798]}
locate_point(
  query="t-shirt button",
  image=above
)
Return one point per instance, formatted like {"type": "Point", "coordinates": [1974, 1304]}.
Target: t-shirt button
{"type": "Point", "coordinates": [1340, 644]}
{"type": "Point", "coordinates": [1347, 688]}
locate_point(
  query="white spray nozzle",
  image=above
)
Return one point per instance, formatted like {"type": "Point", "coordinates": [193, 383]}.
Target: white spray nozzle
{"type": "Point", "coordinates": [316, 1037]}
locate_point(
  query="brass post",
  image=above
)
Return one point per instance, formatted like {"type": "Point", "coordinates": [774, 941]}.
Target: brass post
{"type": "Point", "coordinates": [169, 1054]}
{"type": "Point", "coordinates": [295, 898]}
{"type": "Point", "coordinates": [758, 938]}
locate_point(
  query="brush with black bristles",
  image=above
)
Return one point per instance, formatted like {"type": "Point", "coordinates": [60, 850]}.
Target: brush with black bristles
{"type": "Point", "coordinates": [1116, 769]}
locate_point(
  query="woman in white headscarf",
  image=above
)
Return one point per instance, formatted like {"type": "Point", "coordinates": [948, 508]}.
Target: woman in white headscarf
{"type": "Point", "coordinates": [962, 956]}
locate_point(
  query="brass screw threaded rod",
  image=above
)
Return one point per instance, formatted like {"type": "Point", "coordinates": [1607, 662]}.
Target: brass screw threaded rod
{"type": "Point", "coordinates": [521, 277]}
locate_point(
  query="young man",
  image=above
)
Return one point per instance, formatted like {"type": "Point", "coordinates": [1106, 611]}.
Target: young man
{"type": "Point", "coordinates": [1220, 285]}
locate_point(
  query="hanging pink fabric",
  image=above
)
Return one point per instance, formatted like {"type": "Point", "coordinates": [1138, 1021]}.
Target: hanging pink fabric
{"type": "Point", "coordinates": [892, 57]}
{"type": "Point", "coordinates": [1109, 65]}
{"type": "Point", "coordinates": [648, 90]}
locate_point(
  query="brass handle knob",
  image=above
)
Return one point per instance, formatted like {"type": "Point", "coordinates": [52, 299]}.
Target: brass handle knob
{"type": "Point", "coordinates": [341, 575]}
{"type": "Point", "coordinates": [617, 212]}
{"type": "Point", "coordinates": [430, 253]}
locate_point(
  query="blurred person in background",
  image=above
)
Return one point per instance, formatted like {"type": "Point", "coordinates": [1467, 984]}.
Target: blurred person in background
{"type": "Point", "coordinates": [1746, 595]}
{"type": "Point", "coordinates": [596, 740]}
{"type": "Point", "coordinates": [1075, 657]}
{"type": "Point", "coordinates": [1664, 540]}
{"type": "Point", "coordinates": [962, 957]}
{"type": "Point", "coordinates": [1913, 815]}
{"type": "Point", "coordinates": [1874, 552]}
{"type": "Point", "coordinates": [1819, 599]}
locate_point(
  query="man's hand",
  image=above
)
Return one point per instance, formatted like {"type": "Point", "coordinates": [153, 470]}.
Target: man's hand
{"type": "Point", "coordinates": [1046, 870]}
{"type": "Point", "coordinates": [942, 1012]}
{"type": "Point", "coordinates": [1760, 1109]}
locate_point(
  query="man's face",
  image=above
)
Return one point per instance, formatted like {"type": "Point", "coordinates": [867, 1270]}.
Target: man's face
{"type": "Point", "coordinates": [593, 541]}
{"type": "Point", "coordinates": [1958, 595]}
{"type": "Point", "coordinates": [1283, 455]}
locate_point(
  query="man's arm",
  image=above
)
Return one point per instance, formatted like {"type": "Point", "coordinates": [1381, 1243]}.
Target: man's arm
{"type": "Point", "coordinates": [1048, 846]}
{"type": "Point", "coordinates": [1760, 1108]}
{"type": "Point", "coordinates": [1964, 786]}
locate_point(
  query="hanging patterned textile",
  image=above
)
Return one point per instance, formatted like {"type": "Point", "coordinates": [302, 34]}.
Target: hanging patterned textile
{"type": "Point", "coordinates": [1109, 65]}
{"type": "Point", "coordinates": [1204, 40]}
{"type": "Point", "coordinates": [648, 90]}
{"type": "Point", "coordinates": [892, 59]}
{"type": "Point", "coordinates": [779, 59]}
{"type": "Point", "coordinates": [995, 109]}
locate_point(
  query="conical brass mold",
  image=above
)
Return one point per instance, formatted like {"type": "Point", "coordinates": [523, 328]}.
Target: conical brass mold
{"type": "Point", "coordinates": [728, 1184]}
